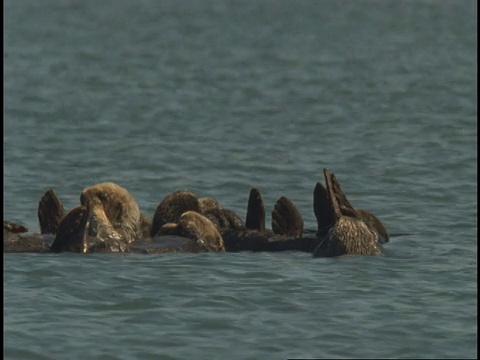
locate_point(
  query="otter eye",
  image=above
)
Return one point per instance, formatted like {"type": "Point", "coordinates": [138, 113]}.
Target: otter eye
{"type": "Point", "coordinates": [102, 196]}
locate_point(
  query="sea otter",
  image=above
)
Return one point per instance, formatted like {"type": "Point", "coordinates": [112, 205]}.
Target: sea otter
{"type": "Point", "coordinates": [113, 213]}
{"type": "Point", "coordinates": [108, 219]}
{"type": "Point", "coordinates": [340, 227]}
{"type": "Point", "coordinates": [172, 207]}
{"type": "Point", "coordinates": [194, 225]}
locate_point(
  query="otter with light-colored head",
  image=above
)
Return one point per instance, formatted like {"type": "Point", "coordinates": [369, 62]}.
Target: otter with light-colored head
{"type": "Point", "coordinates": [196, 226]}
{"type": "Point", "coordinates": [113, 213]}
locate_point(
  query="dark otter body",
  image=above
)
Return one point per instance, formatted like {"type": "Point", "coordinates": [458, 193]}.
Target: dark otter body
{"type": "Point", "coordinates": [164, 244]}
{"type": "Point", "coordinates": [15, 240]}
{"type": "Point", "coordinates": [347, 234]}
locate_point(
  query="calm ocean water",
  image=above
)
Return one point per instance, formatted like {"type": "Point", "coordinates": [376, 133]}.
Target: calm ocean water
{"type": "Point", "coordinates": [217, 97]}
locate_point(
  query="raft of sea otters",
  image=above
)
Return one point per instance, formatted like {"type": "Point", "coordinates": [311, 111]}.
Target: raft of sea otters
{"type": "Point", "coordinates": [109, 220]}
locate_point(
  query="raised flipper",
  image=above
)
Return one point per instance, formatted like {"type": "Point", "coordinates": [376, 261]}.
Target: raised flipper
{"type": "Point", "coordinates": [50, 213]}
{"type": "Point", "coordinates": [335, 209]}
{"type": "Point", "coordinates": [327, 204]}
{"type": "Point", "coordinates": [286, 220]}
{"type": "Point", "coordinates": [255, 211]}
{"type": "Point", "coordinates": [341, 198]}
{"type": "Point", "coordinates": [14, 228]}
{"type": "Point", "coordinates": [322, 209]}
{"type": "Point", "coordinates": [172, 207]}
{"type": "Point", "coordinates": [72, 232]}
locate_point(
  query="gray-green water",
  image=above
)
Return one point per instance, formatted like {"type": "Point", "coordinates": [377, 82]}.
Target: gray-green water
{"type": "Point", "coordinates": [217, 97]}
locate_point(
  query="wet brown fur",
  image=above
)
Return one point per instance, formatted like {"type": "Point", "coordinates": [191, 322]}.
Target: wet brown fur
{"type": "Point", "coordinates": [208, 203]}
{"type": "Point", "coordinates": [172, 207]}
{"type": "Point", "coordinates": [349, 234]}
{"type": "Point", "coordinates": [196, 226]}
{"type": "Point", "coordinates": [113, 212]}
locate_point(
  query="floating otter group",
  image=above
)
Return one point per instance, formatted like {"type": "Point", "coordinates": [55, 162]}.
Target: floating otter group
{"type": "Point", "coordinates": [108, 219]}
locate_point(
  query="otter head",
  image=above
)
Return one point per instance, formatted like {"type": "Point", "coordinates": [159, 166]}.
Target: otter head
{"type": "Point", "coordinates": [196, 226]}
{"type": "Point", "coordinates": [172, 207]}
{"type": "Point", "coordinates": [208, 203]}
{"type": "Point", "coordinates": [112, 211]}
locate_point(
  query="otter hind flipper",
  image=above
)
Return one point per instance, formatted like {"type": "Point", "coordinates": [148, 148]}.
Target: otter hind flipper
{"type": "Point", "coordinates": [72, 231]}
{"type": "Point", "coordinates": [322, 209]}
{"type": "Point", "coordinates": [345, 206]}
{"type": "Point", "coordinates": [335, 205]}
{"type": "Point", "coordinates": [255, 211]}
{"type": "Point", "coordinates": [286, 219]}
{"type": "Point", "coordinates": [50, 213]}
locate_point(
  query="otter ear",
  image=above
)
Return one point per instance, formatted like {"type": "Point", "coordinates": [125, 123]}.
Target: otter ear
{"type": "Point", "coordinates": [255, 211]}
{"type": "Point", "coordinates": [322, 209]}
{"type": "Point", "coordinates": [50, 213]}
{"type": "Point", "coordinates": [72, 231]}
{"type": "Point", "coordinates": [286, 220]}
